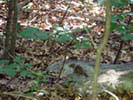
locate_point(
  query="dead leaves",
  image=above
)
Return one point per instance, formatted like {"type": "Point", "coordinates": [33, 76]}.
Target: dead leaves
{"type": "Point", "coordinates": [47, 13]}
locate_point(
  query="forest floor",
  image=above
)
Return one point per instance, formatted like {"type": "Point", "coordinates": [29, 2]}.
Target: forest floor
{"type": "Point", "coordinates": [45, 15]}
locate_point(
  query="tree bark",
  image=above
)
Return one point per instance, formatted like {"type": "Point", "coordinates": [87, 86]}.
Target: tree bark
{"type": "Point", "coordinates": [11, 30]}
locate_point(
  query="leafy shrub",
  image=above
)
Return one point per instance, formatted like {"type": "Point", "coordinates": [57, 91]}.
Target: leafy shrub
{"type": "Point", "coordinates": [12, 69]}
{"type": "Point", "coordinates": [124, 28]}
{"type": "Point", "coordinates": [59, 35]}
{"type": "Point", "coordinates": [18, 68]}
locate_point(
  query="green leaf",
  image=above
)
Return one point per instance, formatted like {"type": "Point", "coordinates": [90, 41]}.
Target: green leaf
{"type": "Point", "coordinates": [14, 65]}
{"type": "Point", "coordinates": [25, 73]}
{"type": "Point", "coordinates": [4, 62]}
{"type": "Point", "coordinates": [130, 28]}
{"type": "Point", "coordinates": [34, 33]}
{"type": "Point", "coordinates": [28, 10]}
{"type": "Point", "coordinates": [113, 26]}
{"type": "Point", "coordinates": [127, 37]}
{"type": "Point", "coordinates": [29, 33]}
{"type": "Point", "coordinates": [9, 71]}
{"type": "Point", "coordinates": [18, 59]}
{"type": "Point", "coordinates": [28, 65]}
{"type": "Point", "coordinates": [59, 29]}
{"type": "Point", "coordinates": [122, 29]}
{"type": "Point", "coordinates": [1, 70]}
{"type": "Point", "coordinates": [115, 3]}
{"type": "Point", "coordinates": [43, 35]}
{"type": "Point", "coordinates": [64, 38]}
{"type": "Point", "coordinates": [119, 3]}
{"type": "Point", "coordinates": [115, 18]}
{"type": "Point", "coordinates": [83, 44]}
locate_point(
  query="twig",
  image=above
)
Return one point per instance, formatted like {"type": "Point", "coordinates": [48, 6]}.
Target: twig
{"type": "Point", "coordinates": [65, 47]}
{"type": "Point", "coordinates": [119, 52]}
{"type": "Point", "coordinates": [62, 67]}
{"type": "Point", "coordinates": [65, 13]}
{"type": "Point", "coordinates": [92, 41]}
{"type": "Point", "coordinates": [112, 94]}
{"type": "Point", "coordinates": [101, 49]}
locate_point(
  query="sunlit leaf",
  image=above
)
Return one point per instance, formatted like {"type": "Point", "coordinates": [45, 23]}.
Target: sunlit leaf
{"type": "Point", "coordinates": [59, 29]}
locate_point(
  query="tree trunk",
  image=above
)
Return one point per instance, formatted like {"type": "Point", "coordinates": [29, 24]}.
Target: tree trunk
{"type": "Point", "coordinates": [11, 30]}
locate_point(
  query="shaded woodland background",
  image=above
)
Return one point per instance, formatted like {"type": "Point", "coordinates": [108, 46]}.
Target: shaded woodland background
{"type": "Point", "coordinates": [37, 33]}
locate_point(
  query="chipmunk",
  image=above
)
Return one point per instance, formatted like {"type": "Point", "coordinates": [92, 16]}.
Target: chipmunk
{"type": "Point", "coordinates": [78, 70]}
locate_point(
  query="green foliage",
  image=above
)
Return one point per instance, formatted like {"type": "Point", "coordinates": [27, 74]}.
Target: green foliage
{"type": "Point", "coordinates": [64, 34]}
{"type": "Point", "coordinates": [63, 38]}
{"type": "Point", "coordinates": [115, 3]}
{"type": "Point", "coordinates": [127, 37]}
{"type": "Point", "coordinates": [127, 85]}
{"type": "Point", "coordinates": [12, 69]}
{"type": "Point", "coordinates": [26, 9]}
{"type": "Point", "coordinates": [127, 82]}
{"type": "Point", "coordinates": [59, 35]}
{"type": "Point", "coordinates": [124, 29]}
{"type": "Point", "coordinates": [34, 33]}
{"type": "Point", "coordinates": [9, 71]}
{"type": "Point", "coordinates": [83, 44]}
{"type": "Point", "coordinates": [119, 3]}
{"type": "Point", "coordinates": [4, 62]}
{"type": "Point", "coordinates": [19, 68]}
